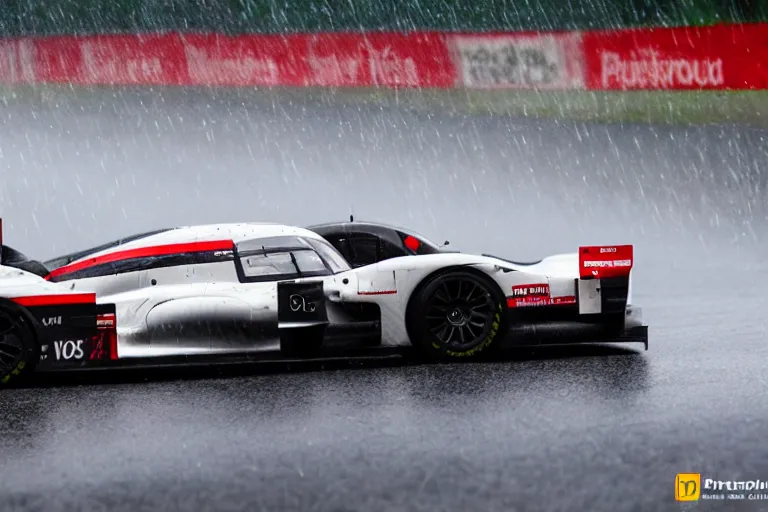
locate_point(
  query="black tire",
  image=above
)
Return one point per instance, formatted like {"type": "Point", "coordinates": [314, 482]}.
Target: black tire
{"type": "Point", "coordinates": [18, 345]}
{"type": "Point", "coordinates": [457, 315]}
{"type": "Point", "coordinates": [302, 343]}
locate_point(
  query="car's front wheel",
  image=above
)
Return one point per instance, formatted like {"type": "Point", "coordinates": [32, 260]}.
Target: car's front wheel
{"type": "Point", "coordinates": [455, 315]}
{"type": "Point", "coordinates": [18, 346]}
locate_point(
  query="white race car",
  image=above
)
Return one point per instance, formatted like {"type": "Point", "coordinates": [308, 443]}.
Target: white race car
{"type": "Point", "coordinates": [269, 291]}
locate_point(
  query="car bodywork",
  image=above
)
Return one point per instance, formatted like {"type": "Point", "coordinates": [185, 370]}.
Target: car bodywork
{"type": "Point", "coordinates": [238, 289]}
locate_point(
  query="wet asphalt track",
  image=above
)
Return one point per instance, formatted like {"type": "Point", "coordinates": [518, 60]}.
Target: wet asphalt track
{"type": "Point", "coordinates": [566, 429]}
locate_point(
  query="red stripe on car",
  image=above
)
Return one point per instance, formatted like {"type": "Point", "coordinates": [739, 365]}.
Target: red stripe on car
{"type": "Point", "coordinates": [56, 300]}
{"type": "Point", "coordinates": [532, 302]}
{"type": "Point", "coordinates": [143, 252]}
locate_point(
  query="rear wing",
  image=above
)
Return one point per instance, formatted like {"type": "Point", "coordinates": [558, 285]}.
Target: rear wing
{"type": "Point", "coordinates": [604, 278]}
{"type": "Point", "coordinates": [605, 261]}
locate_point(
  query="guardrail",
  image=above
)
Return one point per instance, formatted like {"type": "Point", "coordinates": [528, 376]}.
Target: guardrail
{"type": "Point", "coordinates": [716, 57]}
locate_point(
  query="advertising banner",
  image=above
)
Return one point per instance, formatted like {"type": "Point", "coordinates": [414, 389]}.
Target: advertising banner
{"type": "Point", "coordinates": [717, 57]}
{"type": "Point", "coordinates": [522, 61]}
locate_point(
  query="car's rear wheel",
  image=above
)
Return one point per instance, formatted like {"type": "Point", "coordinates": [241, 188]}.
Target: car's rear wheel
{"type": "Point", "coordinates": [18, 347]}
{"type": "Point", "coordinates": [457, 315]}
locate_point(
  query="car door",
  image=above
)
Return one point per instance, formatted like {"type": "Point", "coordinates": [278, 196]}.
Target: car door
{"type": "Point", "coordinates": [245, 316]}
{"type": "Point", "coordinates": [208, 310]}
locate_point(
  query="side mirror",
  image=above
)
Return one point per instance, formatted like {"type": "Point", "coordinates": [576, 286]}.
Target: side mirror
{"type": "Point", "coordinates": [445, 244]}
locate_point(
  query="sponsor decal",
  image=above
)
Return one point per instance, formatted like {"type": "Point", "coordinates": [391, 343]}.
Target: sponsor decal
{"type": "Point", "coordinates": [513, 302]}
{"type": "Point", "coordinates": [532, 295]}
{"type": "Point", "coordinates": [300, 303]}
{"type": "Point", "coordinates": [105, 321]}
{"type": "Point", "coordinates": [68, 350]}
{"type": "Point", "coordinates": [52, 320]}
{"type": "Point", "coordinates": [608, 263]}
{"type": "Point", "coordinates": [646, 68]}
{"type": "Point", "coordinates": [519, 61]}
{"type": "Point", "coordinates": [688, 487]}
{"type": "Point", "coordinates": [531, 290]}
{"type": "Point", "coordinates": [104, 343]}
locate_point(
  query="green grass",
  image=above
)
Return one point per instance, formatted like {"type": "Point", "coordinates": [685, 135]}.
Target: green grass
{"type": "Point", "coordinates": [656, 107]}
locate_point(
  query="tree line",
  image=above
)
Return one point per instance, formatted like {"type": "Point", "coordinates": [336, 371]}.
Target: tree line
{"type": "Point", "coordinates": [43, 17]}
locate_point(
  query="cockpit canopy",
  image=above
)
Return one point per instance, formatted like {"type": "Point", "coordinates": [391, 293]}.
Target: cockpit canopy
{"type": "Point", "coordinates": [365, 243]}
{"type": "Point", "coordinates": [287, 257]}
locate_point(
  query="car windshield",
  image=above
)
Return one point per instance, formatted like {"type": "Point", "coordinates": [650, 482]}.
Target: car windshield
{"type": "Point", "coordinates": [289, 257]}
{"type": "Point", "coordinates": [298, 263]}
{"type": "Point", "coordinates": [332, 257]}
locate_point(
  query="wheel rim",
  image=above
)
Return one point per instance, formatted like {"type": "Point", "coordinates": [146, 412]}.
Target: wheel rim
{"type": "Point", "coordinates": [11, 342]}
{"type": "Point", "coordinates": [460, 313]}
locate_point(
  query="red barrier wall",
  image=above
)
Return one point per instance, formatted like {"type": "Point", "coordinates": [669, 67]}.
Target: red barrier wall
{"type": "Point", "coordinates": [719, 57]}
{"type": "Point", "coordinates": [415, 60]}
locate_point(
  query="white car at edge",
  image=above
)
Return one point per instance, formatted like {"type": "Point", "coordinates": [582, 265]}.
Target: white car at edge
{"type": "Point", "coordinates": [269, 291]}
